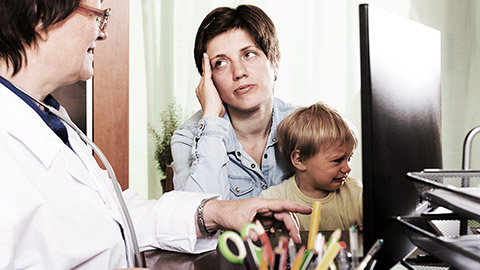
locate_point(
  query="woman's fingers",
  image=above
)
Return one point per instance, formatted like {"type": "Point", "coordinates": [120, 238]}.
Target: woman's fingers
{"type": "Point", "coordinates": [207, 69]}
{"type": "Point", "coordinates": [207, 94]}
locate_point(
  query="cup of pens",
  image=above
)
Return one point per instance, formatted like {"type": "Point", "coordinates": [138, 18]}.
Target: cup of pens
{"type": "Point", "coordinates": [321, 252]}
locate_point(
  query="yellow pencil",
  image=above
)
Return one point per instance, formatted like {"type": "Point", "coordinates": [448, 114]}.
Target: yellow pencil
{"type": "Point", "coordinates": [314, 223]}
{"type": "Point", "coordinates": [264, 260]}
{"type": "Point", "coordinates": [327, 259]}
{"type": "Point", "coordinates": [297, 262]}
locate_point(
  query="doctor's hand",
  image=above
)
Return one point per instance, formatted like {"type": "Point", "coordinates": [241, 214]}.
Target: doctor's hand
{"type": "Point", "coordinates": [207, 94]}
{"type": "Point", "coordinates": [233, 214]}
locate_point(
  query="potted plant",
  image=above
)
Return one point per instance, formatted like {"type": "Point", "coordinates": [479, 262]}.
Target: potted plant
{"type": "Point", "coordinates": [169, 120]}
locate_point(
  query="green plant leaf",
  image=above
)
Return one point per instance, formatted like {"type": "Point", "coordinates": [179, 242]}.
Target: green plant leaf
{"type": "Point", "coordinates": [169, 120]}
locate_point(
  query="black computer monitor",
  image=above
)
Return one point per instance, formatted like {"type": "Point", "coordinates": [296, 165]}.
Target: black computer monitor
{"type": "Point", "coordinates": [400, 103]}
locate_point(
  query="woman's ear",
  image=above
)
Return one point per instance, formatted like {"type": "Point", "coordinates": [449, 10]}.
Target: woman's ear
{"type": "Point", "coordinates": [297, 160]}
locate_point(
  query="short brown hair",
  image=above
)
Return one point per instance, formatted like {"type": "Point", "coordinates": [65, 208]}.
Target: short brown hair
{"type": "Point", "coordinates": [313, 129]}
{"type": "Point", "coordinates": [246, 17]}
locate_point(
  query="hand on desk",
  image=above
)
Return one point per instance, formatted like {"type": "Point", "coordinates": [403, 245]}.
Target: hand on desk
{"type": "Point", "coordinates": [233, 214]}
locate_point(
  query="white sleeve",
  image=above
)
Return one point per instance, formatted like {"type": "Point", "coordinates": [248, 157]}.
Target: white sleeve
{"type": "Point", "coordinates": [169, 223]}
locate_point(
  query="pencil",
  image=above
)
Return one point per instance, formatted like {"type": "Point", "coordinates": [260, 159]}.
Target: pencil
{"type": "Point", "coordinates": [309, 257]}
{"type": "Point", "coordinates": [265, 243]}
{"type": "Point", "coordinates": [334, 237]}
{"type": "Point", "coordinates": [298, 259]}
{"type": "Point", "coordinates": [314, 223]}
{"type": "Point", "coordinates": [330, 254]}
{"type": "Point", "coordinates": [264, 260]}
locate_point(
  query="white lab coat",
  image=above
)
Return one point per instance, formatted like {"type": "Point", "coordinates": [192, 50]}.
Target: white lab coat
{"type": "Point", "coordinates": [58, 209]}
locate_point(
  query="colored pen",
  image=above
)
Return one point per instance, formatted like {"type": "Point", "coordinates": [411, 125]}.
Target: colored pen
{"type": "Point", "coordinates": [353, 233]}
{"type": "Point", "coordinates": [330, 254]}
{"type": "Point", "coordinates": [314, 223]}
{"type": "Point", "coordinates": [265, 242]}
{"type": "Point", "coordinates": [374, 249]}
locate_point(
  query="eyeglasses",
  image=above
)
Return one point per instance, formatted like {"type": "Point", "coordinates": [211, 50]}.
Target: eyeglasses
{"type": "Point", "coordinates": [102, 15]}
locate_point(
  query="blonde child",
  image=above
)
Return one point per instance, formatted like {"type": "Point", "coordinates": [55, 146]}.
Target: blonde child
{"type": "Point", "coordinates": [319, 144]}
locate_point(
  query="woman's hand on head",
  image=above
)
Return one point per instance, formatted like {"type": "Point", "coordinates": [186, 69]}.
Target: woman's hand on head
{"type": "Point", "coordinates": [207, 94]}
{"type": "Point", "coordinates": [233, 214]}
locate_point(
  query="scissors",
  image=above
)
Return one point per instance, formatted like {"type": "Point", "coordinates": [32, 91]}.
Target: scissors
{"type": "Point", "coordinates": [246, 249]}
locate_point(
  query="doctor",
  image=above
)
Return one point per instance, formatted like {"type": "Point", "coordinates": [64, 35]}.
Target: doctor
{"type": "Point", "coordinates": [57, 210]}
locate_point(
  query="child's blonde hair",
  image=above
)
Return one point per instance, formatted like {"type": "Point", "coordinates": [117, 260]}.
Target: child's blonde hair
{"type": "Point", "coordinates": [313, 129]}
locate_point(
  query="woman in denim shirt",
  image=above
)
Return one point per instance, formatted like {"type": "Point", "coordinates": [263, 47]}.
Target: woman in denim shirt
{"type": "Point", "coordinates": [229, 147]}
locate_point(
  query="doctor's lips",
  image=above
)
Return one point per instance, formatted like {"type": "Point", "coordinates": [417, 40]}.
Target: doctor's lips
{"type": "Point", "coordinates": [244, 88]}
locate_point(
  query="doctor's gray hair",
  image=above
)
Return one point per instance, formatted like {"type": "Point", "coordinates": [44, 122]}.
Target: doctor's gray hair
{"type": "Point", "coordinates": [20, 24]}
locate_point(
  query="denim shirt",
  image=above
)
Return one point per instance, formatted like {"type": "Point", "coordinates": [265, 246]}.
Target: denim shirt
{"type": "Point", "coordinates": [207, 157]}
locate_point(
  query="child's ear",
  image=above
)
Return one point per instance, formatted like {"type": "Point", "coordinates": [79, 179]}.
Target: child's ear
{"type": "Point", "coordinates": [297, 160]}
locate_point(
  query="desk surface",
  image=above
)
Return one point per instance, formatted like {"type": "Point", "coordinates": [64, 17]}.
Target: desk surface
{"type": "Point", "coordinates": [164, 260]}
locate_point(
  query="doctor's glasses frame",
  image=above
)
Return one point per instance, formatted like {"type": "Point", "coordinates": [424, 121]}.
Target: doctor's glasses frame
{"type": "Point", "coordinates": [102, 15]}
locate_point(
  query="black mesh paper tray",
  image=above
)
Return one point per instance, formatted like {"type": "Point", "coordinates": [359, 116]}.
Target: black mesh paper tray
{"type": "Point", "coordinates": [462, 183]}
{"type": "Point", "coordinates": [461, 252]}
{"type": "Point", "coordinates": [455, 202]}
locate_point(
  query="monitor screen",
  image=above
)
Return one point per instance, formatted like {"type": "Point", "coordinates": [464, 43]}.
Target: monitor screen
{"type": "Point", "coordinates": [400, 103]}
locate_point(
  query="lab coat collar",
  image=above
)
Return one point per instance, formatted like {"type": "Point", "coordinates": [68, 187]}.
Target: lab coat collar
{"type": "Point", "coordinates": [19, 120]}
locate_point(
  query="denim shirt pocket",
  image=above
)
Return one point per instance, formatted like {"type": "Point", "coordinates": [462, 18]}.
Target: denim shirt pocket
{"type": "Point", "coordinates": [241, 185]}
